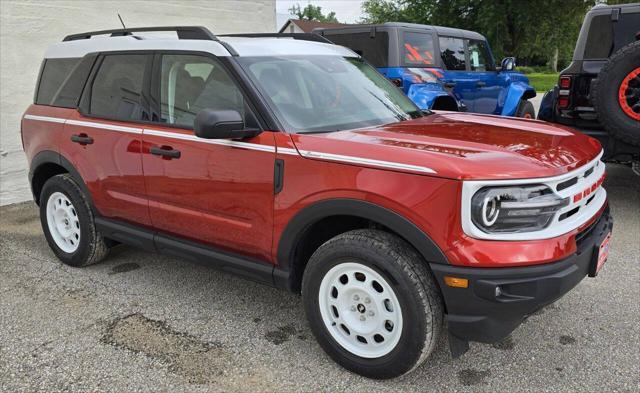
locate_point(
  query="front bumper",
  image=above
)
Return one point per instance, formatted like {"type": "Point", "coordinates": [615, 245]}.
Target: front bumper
{"type": "Point", "coordinates": [482, 313]}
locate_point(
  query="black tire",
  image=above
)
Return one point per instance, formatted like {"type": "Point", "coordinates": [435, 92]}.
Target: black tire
{"type": "Point", "coordinates": [605, 94]}
{"type": "Point", "coordinates": [526, 110]}
{"type": "Point", "coordinates": [92, 247]}
{"type": "Point", "coordinates": [412, 283]}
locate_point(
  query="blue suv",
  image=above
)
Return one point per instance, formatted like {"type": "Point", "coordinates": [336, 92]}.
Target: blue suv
{"type": "Point", "coordinates": [440, 67]}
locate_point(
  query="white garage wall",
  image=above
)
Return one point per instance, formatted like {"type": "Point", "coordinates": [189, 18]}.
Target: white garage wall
{"type": "Point", "coordinates": [28, 27]}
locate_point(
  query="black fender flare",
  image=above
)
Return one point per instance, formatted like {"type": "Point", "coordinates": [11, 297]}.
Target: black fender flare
{"type": "Point", "coordinates": [353, 207]}
{"type": "Point", "coordinates": [51, 157]}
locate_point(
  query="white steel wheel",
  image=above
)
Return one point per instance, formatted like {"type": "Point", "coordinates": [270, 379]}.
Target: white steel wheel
{"type": "Point", "coordinates": [63, 222]}
{"type": "Point", "coordinates": [360, 310]}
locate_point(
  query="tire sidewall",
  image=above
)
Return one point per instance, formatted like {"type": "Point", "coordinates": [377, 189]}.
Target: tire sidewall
{"type": "Point", "coordinates": [66, 186]}
{"type": "Point", "coordinates": [526, 107]}
{"type": "Point", "coordinates": [410, 346]}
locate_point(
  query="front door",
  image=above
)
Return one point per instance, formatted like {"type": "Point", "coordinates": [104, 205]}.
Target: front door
{"type": "Point", "coordinates": [216, 192]}
{"type": "Point", "coordinates": [456, 75]}
{"type": "Point", "coordinates": [488, 84]}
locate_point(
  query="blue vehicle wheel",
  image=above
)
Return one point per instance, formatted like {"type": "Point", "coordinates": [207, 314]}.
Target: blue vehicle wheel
{"type": "Point", "coordinates": [526, 110]}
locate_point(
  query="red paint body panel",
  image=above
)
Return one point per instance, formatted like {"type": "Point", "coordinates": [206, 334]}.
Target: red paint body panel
{"type": "Point", "coordinates": [465, 146]}
{"type": "Point", "coordinates": [40, 136]}
{"type": "Point", "coordinates": [111, 167]}
{"type": "Point", "coordinates": [215, 194]}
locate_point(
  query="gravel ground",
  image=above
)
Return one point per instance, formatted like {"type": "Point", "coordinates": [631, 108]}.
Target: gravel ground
{"type": "Point", "coordinates": [145, 322]}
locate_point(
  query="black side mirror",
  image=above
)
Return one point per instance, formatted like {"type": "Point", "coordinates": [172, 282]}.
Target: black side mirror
{"type": "Point", "coordinates": [221, 124]}
{"type": "Point", "coordinates": [508, 64]}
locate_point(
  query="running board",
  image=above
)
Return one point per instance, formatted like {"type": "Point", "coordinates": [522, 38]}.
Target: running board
{"type": "Point", "coordinates": [256, 270]}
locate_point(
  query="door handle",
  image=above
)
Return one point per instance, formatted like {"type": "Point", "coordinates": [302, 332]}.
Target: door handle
{"type": "Point", "coordinates": [82, 139]}
{"type": "Point", "coordinates": [166, 152]}
{"type": "Point", "coordinates": [481, 84]}
{"type": "Point", "coordinates": [450, 84]}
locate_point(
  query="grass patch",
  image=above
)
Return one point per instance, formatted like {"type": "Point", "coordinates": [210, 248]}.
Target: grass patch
{"type": "Point", "coordinates": [542, 82]}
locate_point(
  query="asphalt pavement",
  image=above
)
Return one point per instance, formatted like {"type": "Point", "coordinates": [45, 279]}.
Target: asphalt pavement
{"type": "Point", "coordinates": [147, 322]}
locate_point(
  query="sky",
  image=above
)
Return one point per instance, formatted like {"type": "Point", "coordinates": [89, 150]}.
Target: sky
{"type": "Point", "coordinates": [347, 11]}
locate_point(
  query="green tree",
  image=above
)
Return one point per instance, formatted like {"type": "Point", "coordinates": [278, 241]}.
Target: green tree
{"type": "Point", "coordinates": [541, 32]}
{"type": "Point", "coordinates": [312, 12]}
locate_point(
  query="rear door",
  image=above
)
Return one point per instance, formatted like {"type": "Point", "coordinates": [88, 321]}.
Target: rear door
{"type": "Point", "coordinates": [457, 75]}
{"type": "Point", "coordinates": [103, 138]}
{"type": "Point", "coordinates": [213, 191]}
{"type": "Point", "coordinates": [488, 84]}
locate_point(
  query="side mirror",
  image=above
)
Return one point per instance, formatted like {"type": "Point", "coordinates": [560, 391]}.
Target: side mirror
{"type": "Point", "coordinates": [221, 124]}
{"type": "Point", "coordinates": [508, 64]}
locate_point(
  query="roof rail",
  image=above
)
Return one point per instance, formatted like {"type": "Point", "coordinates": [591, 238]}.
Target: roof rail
{"type": "Point", "coordinates": [184, 33]}
{"type": "Point", "coordinates": [295, 36]}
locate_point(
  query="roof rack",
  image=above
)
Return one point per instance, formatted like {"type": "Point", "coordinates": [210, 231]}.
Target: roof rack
{"type": "Point", "coordinates": [184, 33]}
{"type": "Point", "coordinates": [295, 36]}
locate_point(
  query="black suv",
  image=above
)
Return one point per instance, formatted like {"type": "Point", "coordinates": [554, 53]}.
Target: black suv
{"type": "Point", "coordinates": [599, 93]}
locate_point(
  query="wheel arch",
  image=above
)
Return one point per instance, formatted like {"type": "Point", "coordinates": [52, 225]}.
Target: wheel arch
{"type": "Point", "coordinates": [49, 163]}
{"type": "Point", "coordinates": [517, 91]}
{"type": "Point", "coordinates": [319, 222]}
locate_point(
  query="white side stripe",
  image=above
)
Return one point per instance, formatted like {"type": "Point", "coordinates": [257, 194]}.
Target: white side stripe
{"type": "Point", "coordinates": [286, 150]}
{"type": "Point", "coordinates": [241, 145]}
{"type": "Point", "coordinates": [45, 118]}
{"type": "Point", "coordinates": [222, 142]}
{"type": "Point", "coordinates": [366, 161]}
{"type": "Point", "coordinates": [105, 126]}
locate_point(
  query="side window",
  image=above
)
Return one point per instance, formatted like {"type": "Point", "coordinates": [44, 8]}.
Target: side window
{"type": "Point", "coordinates": [479, 57]}
{"type": "Point", "coordinates": [117, 88]}
{"type": "Point", "coordinates": [375, 50]}
{"type": "Point", "coordinates": [417, 49]}
{"type": "Point", "coordinates": [69, 94]}
{"type": "Point", "coordinates": [190, 83]}
{"type": "Point", "coordinates": [452, 53]}
{"type": "Point", "coordinates": [54, 73]}
{"type": "Point", "coordinates": [600, 38]}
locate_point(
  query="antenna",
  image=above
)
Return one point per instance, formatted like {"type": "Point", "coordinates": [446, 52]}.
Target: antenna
{"type": "Point", "coordinates": [119, 17]}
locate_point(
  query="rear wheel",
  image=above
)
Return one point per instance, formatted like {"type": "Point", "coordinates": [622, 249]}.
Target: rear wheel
{"type": "Point", "coordinates": [68, 223]}
{"type": "Point", "coordinates": [372, 304]}
{"type": "Point", "coordinates": [526, 110]}
{"type": "Point", "coordinates": [616, 94]}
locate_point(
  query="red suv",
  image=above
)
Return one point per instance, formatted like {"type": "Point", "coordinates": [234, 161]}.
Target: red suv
{"type": "Point", "coordinates": [296, 164]}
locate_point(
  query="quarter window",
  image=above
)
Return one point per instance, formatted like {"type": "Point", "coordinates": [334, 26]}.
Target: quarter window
{"type": "Point", "coordinates": [190, 83]}
{"type": "Point", "coordinates": [54, 73]}
{"type": "Point", "coordinates": [117, 88]}
{"type": "Point", "coordinates": [452, 53]}
{"type": "Point", "coordinates": [417, 49]}
{"type": "Point", "coordinates": [479, 58]}
{"type": "Point", "coordinates": [374, 49]}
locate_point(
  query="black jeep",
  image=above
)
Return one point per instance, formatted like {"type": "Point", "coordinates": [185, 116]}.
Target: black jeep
{"type": "Point", "coordinates": [599, 93]}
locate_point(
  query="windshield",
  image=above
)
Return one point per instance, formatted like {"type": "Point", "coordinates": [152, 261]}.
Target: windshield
{"type": "Point", "coordinates": [417, 49]}
{"type": "Point", "coordinates": [327, 93]}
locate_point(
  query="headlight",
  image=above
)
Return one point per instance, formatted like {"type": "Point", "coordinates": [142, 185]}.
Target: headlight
{"type": "Point", "coordinates": [515, 209]}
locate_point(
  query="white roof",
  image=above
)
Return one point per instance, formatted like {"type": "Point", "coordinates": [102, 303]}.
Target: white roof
{"type": "Point", "coordinates": [244, 46]}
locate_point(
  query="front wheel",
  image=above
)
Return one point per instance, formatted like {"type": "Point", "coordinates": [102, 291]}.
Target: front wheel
{"type": "Point", "coordinates": [372, 304]}
{"type": "Point", "coordinates": [526, 110]}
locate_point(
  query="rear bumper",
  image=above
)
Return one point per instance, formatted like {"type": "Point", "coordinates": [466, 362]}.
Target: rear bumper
{"type": "Point", "coordinates": [477, 313]}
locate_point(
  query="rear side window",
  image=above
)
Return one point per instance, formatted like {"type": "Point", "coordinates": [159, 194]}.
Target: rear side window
{"type": "Point", "coordinates": [417, 49]}
{"type": "Point", "coordinates": [54, 73]}
{"type": "Point", "coordinates": [452, 53]}
{"type": "Point", "coordinates": [116, 91]}
{"type": "Point", "coordinates": [600, 38]}
{"type": "Point", "coordinates": [374, 49]}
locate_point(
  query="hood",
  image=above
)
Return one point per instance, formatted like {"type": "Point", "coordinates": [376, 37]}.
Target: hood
{"type": "Point", "coordinates": [460, 146]}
